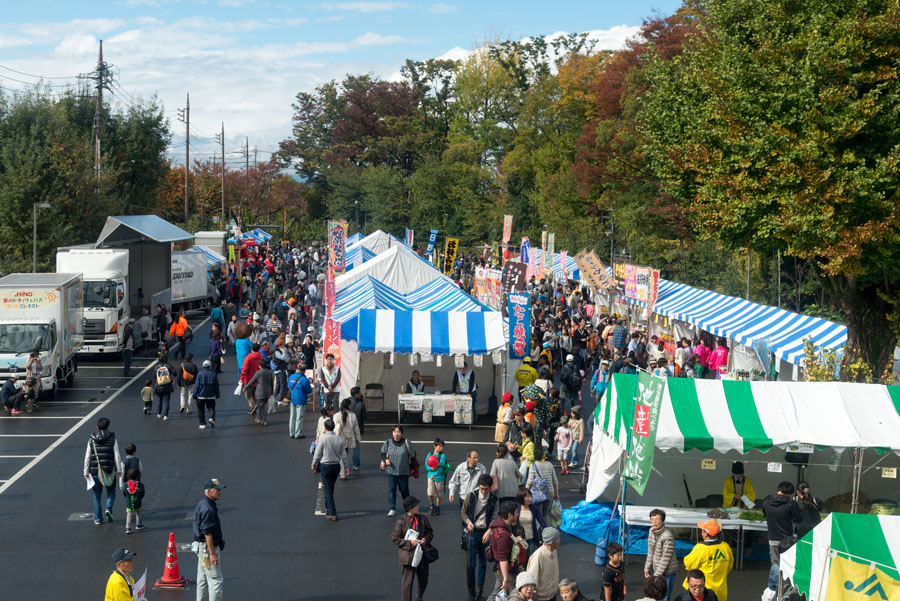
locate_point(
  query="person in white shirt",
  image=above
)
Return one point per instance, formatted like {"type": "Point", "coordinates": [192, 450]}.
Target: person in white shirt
{"type": "Point", "coordinates": [464, 383]}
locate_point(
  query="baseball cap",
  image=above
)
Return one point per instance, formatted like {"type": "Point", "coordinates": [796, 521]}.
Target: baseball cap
{"type": "Point", "coordinates": [712, 527]}
{"type": "Point", "coordinates": [207, 363]}
{"type": "Point", "coordinates": [213, 483]}
{"type": "Point", "coordinates": [122, 555]}
{"type": "Point", "coordinates": [570, 357]}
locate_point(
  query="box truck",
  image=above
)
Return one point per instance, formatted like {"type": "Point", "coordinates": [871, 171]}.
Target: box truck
{"type": "Point", "coordinates": [41, 312]}
{"type": "Point", "coordinates": [105, 294]}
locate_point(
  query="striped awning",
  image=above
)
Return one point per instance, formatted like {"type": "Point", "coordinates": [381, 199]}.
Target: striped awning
{"type": "Point", "coordinates": [357, 255]}
{"type": "Point", "coordinates": [213, 258]}
{"type": "Point", "coordinates": [369, 293]}
{"type": "Point", "coordinates": [261, 235]}
{"type": "Point", "coordinates": [435, 332]}
{"type": "Point", "coordinates": [354, 238]}
{"type": "Point", "coordinates": [745, 322]}
{"type": "Point", "coordinates": [723, 416]}
{"type": "Point", "coordinates": [572, 271]}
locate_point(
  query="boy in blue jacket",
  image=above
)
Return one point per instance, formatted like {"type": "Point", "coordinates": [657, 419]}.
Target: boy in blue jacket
{"type": "Point", "coordinates": [437, 468]}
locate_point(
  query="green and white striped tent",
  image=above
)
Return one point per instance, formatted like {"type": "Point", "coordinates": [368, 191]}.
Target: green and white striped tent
{"type": "Point", "coordinates": [847, 557]}
{"type": "Point", "coordinates": [727, 416]}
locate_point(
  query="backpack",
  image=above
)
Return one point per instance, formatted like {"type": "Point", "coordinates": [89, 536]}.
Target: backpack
{"type": "Point", "coordinates": [574, 381]}
{"type": "Point", "coordinates": [540, 490]}
{"type": "Point", "coordinates": [163, 377]}
{"type": "Point", "coordinates": [489, 550]}
{"type": "Point", "coordinates": [185, 375]}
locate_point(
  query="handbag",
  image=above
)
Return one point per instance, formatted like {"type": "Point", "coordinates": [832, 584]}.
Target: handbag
{"type": "Point", "coordinates": [430, 554]}
{"type": "Point", "coordinates": [417, 556]}
{"type": "Point", "coordinates": [540, 489]}
{"type": "Point", "coordinates": [556, 513]}
{"type": "Point", "coordinates": [105, 478]}
{"type": "Point", "coordinates": [413, 462]}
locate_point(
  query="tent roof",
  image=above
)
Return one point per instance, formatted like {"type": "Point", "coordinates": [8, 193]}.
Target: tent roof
{"type": "Point", "coordinates": [860, 541]}
{"type": "Point", "coordinates": [354, 238]}
{"type": "Point", "coordinates": [435, 332]}
{"type": "Point", "coordinates": [357, 255]}
{"type": "Point", "coordinates": [398, 267]}
{"type": "Point", "coordinates": [368, 293]}
{"type": "Point", "coordinates": [378, 242]}
{"type": "Point", "coordinates": [744, 321]}
{"type": "Point", "coordinates": [212, 257]}
{"type": "Point", "coordinates": [129, 229]}
{"type": "Point", "coordinates": [739, 416]}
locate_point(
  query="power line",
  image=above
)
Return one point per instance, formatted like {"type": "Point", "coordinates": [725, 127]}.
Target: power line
{"type": "Point", "coordinates": [38, 84]}
{"type": "Point", "coordinates": [36, 76]}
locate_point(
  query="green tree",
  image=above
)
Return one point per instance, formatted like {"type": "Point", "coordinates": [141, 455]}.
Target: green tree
{"type": "Point", "coordinates": [778, 127]}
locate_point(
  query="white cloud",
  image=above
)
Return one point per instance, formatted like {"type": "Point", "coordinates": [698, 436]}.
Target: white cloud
{"type": "Point", "coordinates": [365, 7]}
{"type": "Point", "coordinates": [456, 53]}
{"type": "Point", "coordinates": [441, 9]}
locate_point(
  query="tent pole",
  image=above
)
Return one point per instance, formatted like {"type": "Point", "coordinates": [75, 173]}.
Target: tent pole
{"type": "Point", "coordinates": [857, 477]}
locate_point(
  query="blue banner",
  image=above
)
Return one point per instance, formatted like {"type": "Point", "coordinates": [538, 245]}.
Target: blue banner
{"type": "Point", "coordinates": [519, 325]}
{"type": "Point", "coordinates": [526, 246]}
{"type": "Point", "coordinates": [432, 238]}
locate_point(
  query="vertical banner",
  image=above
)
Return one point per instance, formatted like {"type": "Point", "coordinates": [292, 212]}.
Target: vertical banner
{"type": "Point", "coordinates": [647, 403]}
{"type": "Point", "coordinates": [654, 288]}
{"type": "Point", "coordinates": [533, 254]}
{"type": "Point", "coordinates": [432, 238]}
{"type": "Point", "coordinates": [329, 297]}
{"type": "Point", "coordinates": [409, 237]}
{"type": "Point", "coordinates": [337, 245]}
{"type": "Point", "coordinates": [513, 281]}
{"type": "Point", "coordinates": [523, 254]}
{"type": "Point", "coordinates": [450, 248]}
{"type": "Point", "coordinates": [333, 340]}
{"type": "Point", "coordinates": [284, 234]}
{"type": "Point", "coordinates": [519, 325]}
{"type": "Point", "coordinates": [594, 272]}
{"type": "Point", "coordinates": [563, 257]}
{"type": "Point", "coordinates": [551, 242]}
{"type": "Point", "coordinates": [507, 227]}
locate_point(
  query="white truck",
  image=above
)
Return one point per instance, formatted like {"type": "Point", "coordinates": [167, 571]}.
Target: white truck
{"type": "Point", "coordinates": [212, 240]}
{"type": "Point", "coordinates": [105, 294]}
{"type": "Point", "coordinates": [41, 312]}
{"type": "Point", "coordinates": [109, 299]}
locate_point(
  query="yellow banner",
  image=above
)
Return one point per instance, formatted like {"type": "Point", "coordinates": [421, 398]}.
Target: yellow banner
{"type": "Point", "coordinates": [450, 248]}
{"type": "Point", "coordinates": [851, 581]}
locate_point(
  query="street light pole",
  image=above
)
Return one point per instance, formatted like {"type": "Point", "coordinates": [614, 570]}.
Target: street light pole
{"type": "Point", "coordinates": [37, 205]}
{"type": "Point", "coordinates": [748, 273]}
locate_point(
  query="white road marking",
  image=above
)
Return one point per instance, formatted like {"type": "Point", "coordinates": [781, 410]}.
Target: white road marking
{"type": "Point", "coordinates": [18, 417]}
{"type": "Point", "coordinates": [17, 456]}
{"type": "Point", "coordinates": [28, 436]}
{"type": "Point", "coordinates": [493, 444]}
{"type": "Point", "coordinates": [60, 438]}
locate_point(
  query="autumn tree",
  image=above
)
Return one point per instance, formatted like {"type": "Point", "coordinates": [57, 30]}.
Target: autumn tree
{"type": "Point", "coordinates": [777, 127]}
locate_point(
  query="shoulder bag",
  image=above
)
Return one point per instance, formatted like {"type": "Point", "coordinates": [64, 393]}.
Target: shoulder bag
{"type": "Point", "coordinates": [105, 478]}
{"type": "Point", "coordinates": [413, 462]}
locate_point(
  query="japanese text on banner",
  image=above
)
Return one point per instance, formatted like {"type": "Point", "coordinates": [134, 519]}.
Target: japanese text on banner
{"type": "Point", "coordinates": [432, 238]}
{"type": "Point", "coordinates": [594, 272]}
{"type": "Point", "coordinates": [513, 281]}
{"type": "Point", "coordinates": [507, 227]}
{"type": "Point", "coordinates": [333, 340]}
{"type": "Point", "coordinates": [563, 257]}
{"type": "Point", "coordinates": [337, 245]}
{"type": "Point", "coordinates": [410, 234]}
{"type": "Point", "coordinates": [450, 249]}
{"type": "Point", "coordinates": [519, 325]}
{"type": "Point", "coordinates": [642, 445]}
{"type": "Point", "coordinates": [523, 255]}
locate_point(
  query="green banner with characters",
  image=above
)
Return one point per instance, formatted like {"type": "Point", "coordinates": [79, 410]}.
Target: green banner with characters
{"type": "Point", "coordinates": [647, 402]}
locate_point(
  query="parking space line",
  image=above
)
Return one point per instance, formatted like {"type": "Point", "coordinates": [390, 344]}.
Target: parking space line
{"type": "Point", "coordinates": [67, 403]}
{"type": "Point", "coordinates": [28, 436]}
{"type": "Point", "coordinates": [18, 417]}
{"type": "Point", "coordinates": [17, 456]}
{"type": "Point", "coordinates": [60, 438]}
{"type": "Point", "coordinates": [492, 444]}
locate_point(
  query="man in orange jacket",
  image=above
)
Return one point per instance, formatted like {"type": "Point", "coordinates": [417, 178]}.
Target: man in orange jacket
{"type": "Point", "coordinates": [179, 329]}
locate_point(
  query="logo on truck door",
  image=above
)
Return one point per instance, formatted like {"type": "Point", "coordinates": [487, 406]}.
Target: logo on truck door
{"type": "Point", "coordinates": [24, 300]}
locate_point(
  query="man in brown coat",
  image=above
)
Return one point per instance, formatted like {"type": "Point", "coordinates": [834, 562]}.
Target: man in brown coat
{"type": "Point", "coordinates": [410, 531]}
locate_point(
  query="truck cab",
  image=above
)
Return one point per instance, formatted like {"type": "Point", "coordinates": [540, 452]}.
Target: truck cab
{"type": "Point", "coordinates": [19, 337]}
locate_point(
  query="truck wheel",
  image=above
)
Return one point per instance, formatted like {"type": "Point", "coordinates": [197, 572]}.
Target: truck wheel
{"type": "Point", "coordinates": [70, 379]}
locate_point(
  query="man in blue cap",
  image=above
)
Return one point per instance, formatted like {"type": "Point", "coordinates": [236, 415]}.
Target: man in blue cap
{"type": "Point", "coordinates": [120, 586]}
{"type": "Point", "coordinates": [208, 543]}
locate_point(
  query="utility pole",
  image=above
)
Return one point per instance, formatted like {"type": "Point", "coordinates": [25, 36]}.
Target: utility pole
{"type": "Point", "coordinates": [101, 74]}
{"type": "Point", "coordinates": [185, 117]}
{"type": "Point", "coordinates": [246, 155]}
{"type": "Point", "coordinates": [254, 156]}
{"type": "Point", "coordinates": [221, 140]}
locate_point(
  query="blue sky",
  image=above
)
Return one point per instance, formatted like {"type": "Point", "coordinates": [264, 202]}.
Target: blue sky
{"type": "Point", "coordinates": [243, 61]}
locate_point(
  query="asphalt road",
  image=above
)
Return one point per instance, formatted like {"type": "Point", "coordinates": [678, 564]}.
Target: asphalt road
{"type": "Point", "coordinates": [277, 548]}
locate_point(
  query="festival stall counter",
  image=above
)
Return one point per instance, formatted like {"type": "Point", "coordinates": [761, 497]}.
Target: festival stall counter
{"type": "Point", "coordinates": [431, 407]}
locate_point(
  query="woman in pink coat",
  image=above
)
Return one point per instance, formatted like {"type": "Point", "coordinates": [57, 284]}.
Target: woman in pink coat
{"type": "Point", "coordinates": [718, 360]}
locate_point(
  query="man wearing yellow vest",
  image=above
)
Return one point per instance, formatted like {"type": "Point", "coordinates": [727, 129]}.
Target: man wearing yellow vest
{"type": "Point", "coordinates": [713, 557]}
{"type": "Point", "coordinates": [525, 374]}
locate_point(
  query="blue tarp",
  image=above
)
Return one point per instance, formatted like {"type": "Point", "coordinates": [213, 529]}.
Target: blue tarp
{"type": "Point", "coordinates": [588, 521]}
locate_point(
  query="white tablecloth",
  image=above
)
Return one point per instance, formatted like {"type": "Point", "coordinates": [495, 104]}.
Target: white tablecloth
{"type": "Point", "coordinates": [679, 517]}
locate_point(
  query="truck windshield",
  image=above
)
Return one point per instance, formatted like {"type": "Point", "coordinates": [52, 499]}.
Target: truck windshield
{"type": "Point", "coordinates": [100, 294]}
{"type": "Point", "coordinates": [20, 338]}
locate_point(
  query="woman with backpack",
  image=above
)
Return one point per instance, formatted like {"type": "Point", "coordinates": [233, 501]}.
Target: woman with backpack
{"type": "Point", "coordinates": [163, 386]}
{"type": "Point", "coordinates": [396, 453]}
{"type": "Point", "coordinates": [542, 483]}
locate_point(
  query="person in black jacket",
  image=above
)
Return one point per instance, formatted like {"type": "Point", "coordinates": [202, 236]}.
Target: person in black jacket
{"type": "Point", "coordinates": [478, 510]}
{"type": "Point", "coordinates": [810, 509]}
{"type": "Point", "coordinates": [164, 386]}
{"type": "Point", "coordinates": [782, 513]}
{"type": "Point", "coordinates": [206, 391]}
{"type": "Point", "coordinates": [187, 377]}
{"type": "Point", "coordinates": [102, 454]}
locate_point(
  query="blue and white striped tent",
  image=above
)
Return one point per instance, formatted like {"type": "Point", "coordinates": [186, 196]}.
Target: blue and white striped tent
{"type": "Point", "coordinates": [354, 238]}
{"type": "Point", "coordinates": [572, 271]}
{"type": "Point", "coordinates": [261, 235]}
{"type": "Point", "coordinates": [213, 259]}
{"type": "Point", "coordinates": [744, 321]}
{"type": "Point", "coordinates": [357, 255]}
{"type": "Point", "coordinates": [436, 332]}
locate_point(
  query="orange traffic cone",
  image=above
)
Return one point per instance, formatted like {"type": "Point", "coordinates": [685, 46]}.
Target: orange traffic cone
{"type": "Point", "coordinates": [171, 578]}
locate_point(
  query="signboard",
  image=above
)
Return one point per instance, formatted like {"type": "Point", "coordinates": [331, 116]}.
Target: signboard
{"type": "Point", "coordinates": [513, 280]}
{"type": "Point", "coordinates": [594, 272]}
{"type": "Point", "coordinates": [432, 238]}
{"type": "Point", "coordinates": [647, 403]}
{"type": "Point", "coordinates": [337, 245]}
{"type": "Point", "coordinates": [333, 340]}
{"type": "Point", "coordinates": [519, 325]}
{"type": "Point", "coordinates": [507, 228]}
{"type": "Point", "coordinates": [450, 248]}
{"type": "Point", "coordinates": [637, 282]}
{"type": "Point", "coordinates": [26, 300]}
{"type": "Point", "coordinates": [654, 287]}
